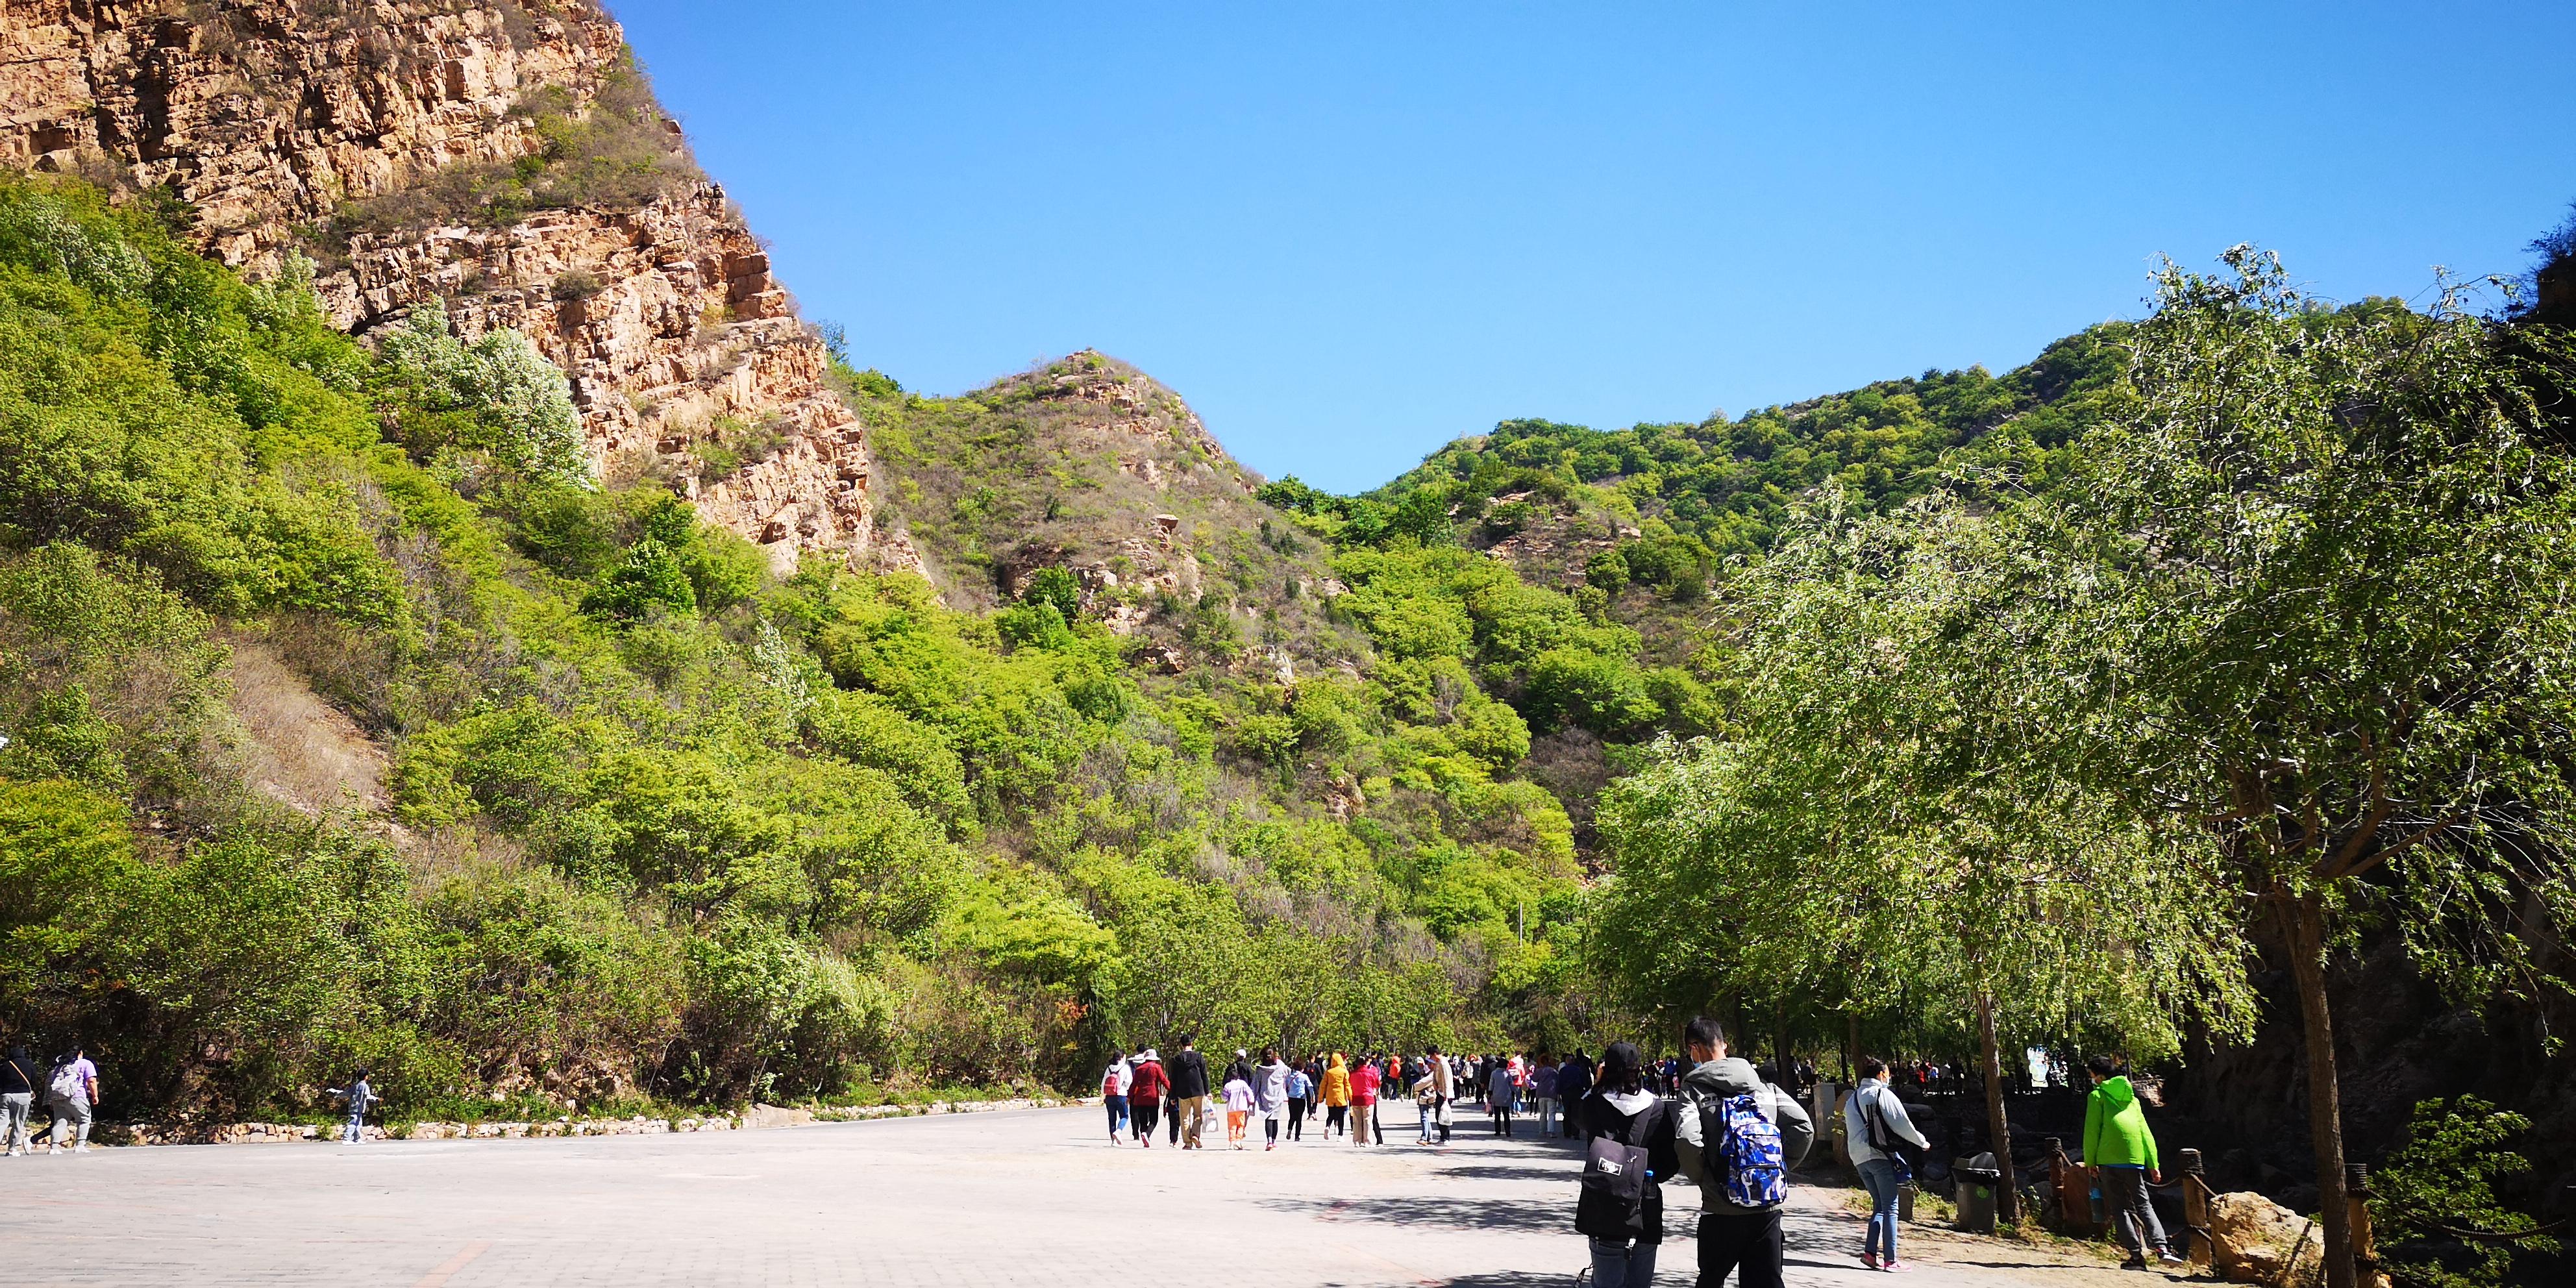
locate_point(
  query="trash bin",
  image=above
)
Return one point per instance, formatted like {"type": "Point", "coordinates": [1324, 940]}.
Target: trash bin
{"type": "Point", "coordinates": [1978, 1179]}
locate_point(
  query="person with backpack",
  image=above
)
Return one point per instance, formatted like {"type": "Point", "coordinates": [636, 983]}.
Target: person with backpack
{"type": "Point", "coordinates": [72, 1093]}
{"type": "Point", "coordinates": [1573, 1083]}
{"type": "Point", "coordinates": [17, 1098]}
{"type": "Point", "coordinates": [360, 1098]}
{"type": "Point", "coordinates": [2120, 1152]}
{"type": "Point", "coordinates": [1114, 1082]}
{"type": "Point", "coordinates": [1145, 1088]}
{"type": "Point", "coordinates": [1737, 1138]}
{"type": "Point", "coordinates": [1620, 1205]}
{"type": "Point", "coordinates": [1189, 1073]}
{"type": "Point", "coordinates": [1874, 1120]}
{"type": "Point", "coordinates": [1543, 1093]}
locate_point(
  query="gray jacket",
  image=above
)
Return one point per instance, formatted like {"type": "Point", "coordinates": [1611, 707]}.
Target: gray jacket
{"type": "Point", "coordinates": [1703, 1089]}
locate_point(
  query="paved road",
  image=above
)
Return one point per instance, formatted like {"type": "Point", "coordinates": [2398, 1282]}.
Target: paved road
{"type": "Point", "coordinates": [1007, 1198]}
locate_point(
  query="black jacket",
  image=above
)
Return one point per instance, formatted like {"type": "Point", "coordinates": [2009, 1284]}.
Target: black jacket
{"type": "Point", "coordinates": [1652, 1128]}
{"type": "Point", "coordinates": [1189, 1075]}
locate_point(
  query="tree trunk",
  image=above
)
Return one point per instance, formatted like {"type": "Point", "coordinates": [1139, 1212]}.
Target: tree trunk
{"type": "Point", "coordinates": [1998, 1127]}
{"type": "Point", "coordinates": [1851, 1048]}
{"type": "Point", "coordinates": [1780, 1045]}
{"type": "Point", "coordinates": [2305, 921]}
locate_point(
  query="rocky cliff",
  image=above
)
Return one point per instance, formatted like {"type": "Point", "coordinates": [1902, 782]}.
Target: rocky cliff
{"type": "Point", "coordinates": [504, 155]}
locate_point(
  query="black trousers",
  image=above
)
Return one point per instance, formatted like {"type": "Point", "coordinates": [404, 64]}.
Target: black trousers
{"type": "Point", "coordinates": [1141, 1116]}
{"type": "Point", "coordinates": [1748, 1247]}
{"type": "Point", "coordinates": [1296, 1118]}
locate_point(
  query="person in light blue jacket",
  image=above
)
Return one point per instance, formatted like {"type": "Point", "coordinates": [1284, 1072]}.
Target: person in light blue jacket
{"type": "Point", "coordinates": [1301, 1093]}
{"type": "Point", "coordinates": [1874, 1120]}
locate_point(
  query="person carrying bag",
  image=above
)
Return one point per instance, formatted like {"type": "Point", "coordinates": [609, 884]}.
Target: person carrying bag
{"type": "Point", "coordinates": [1630, 1150]}
{"type": "Point", "coordinates": [1875, 1122]}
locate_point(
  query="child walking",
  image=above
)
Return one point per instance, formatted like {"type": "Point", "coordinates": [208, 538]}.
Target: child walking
{"type": "Point", "coordinates": [361, 1098]}
{"type": "Point", "coordinates": [1238, 1107]}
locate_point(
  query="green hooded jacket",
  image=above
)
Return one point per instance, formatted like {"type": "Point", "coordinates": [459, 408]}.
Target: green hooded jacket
{"type": "Point", "coordinates": [2115, 1128]}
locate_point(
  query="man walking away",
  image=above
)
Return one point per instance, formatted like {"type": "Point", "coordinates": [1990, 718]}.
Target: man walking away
{"type": "Point", "coordinates": [2121, 1154]}
{"type": "Point", "coordinates": [72, 1092]}
{"type": "Point", "coordinates": [17, 1098]}
{"type": "Point", "coordinates": [1573, 1083]}
{"type": "Point", "coordinates": [360, 1097]}
{"type": "Point", "coordinates": [1189, 1095]}
{"type": "Point", "coordinates": [1874, 1120]}
{"type": "Point", "coordinates": [1145, 1095]}
{"type": "Point", "coordinates": [1738, 1138]}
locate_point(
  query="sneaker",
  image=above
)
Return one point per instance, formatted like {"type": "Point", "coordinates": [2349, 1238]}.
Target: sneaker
{"type": "Point", "coordinates": [1869, 1259]}
{"type": "Point", "coordinates": [81, 1148]}
{"type": "Point", "coordinates": [1896, 1267]}
{"type": "Point", "coordinates": [2166, 1256]}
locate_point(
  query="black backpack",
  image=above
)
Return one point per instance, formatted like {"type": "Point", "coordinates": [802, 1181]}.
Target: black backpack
{"type": "Point", "coordinates": [1612, 1202]}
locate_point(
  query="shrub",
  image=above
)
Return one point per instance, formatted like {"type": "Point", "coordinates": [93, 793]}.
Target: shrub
{"type": "Point", "coordinates": [523, 402]}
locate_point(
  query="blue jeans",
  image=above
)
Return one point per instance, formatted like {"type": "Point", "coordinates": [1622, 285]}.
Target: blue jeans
{"type": "Point", "coordinates": [1878, 1176]}
{"type": "Point", "coordinates": [1623, 1263]}
{"type": "Point", "coordinates": [356, 1128]}
{"type": "Point", "coordinates": [1117, 1113]}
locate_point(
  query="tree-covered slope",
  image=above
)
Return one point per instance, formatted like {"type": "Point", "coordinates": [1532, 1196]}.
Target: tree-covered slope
{"type": "Point", "coordinates": [651, 822]}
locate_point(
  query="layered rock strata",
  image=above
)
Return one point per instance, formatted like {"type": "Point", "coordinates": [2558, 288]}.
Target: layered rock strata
{"type": "Point", "coordinates": [273, 120]}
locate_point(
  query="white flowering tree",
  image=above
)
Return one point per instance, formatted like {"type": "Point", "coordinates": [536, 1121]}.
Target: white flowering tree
{"type": "Point", "coordinates": [520, 397]}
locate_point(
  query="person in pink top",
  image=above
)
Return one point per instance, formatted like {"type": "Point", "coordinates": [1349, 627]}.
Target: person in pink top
{"type": "Point", "coordinates": [1364, 1084]}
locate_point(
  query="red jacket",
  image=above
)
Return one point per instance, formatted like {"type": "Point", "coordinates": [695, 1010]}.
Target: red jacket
{"type": "Point", "coordinates": [1364, 1084]}
{"type": "Point", "coordinates": [1149, 1083]}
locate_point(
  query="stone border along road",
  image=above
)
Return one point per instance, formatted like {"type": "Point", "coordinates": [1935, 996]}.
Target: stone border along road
{"type": "Point", "coordinates": [1032, 1197]}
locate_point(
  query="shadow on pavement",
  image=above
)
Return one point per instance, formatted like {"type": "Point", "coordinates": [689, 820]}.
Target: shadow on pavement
{"type": "Point", "coordinates": [1510, 1279]}
{"type": "Point", "coordinates": [1431, 1210]}
{"type": "Point", "coordinates": [1484, 1172]}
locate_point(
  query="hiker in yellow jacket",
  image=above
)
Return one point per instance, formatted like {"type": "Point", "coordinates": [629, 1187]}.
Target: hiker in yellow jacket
{"type": "Point", "coordinates": [2121, 1154]}
{"type": "Point", "coordinates": [1336, 1093]}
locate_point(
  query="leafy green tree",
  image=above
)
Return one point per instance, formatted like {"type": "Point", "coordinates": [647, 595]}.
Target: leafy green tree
{"type": "Point", "coordinates": [2334, 548]}
{"type": "Point", "coordinates": [2440, 1181]}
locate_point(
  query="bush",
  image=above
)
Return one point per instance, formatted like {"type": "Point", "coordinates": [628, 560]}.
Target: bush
{"type": "Point", "coordinates": [523, 403]}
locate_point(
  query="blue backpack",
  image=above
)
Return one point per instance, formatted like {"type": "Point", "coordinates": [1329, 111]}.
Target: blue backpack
{"type": "Point", "coordinates": [1750, 1148]}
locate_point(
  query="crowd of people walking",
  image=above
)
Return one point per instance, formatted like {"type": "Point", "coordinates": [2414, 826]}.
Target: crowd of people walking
{"type": "Point", "coordinates": [1348, 1096]}
{"type": "Point", "coordinates": [1732, 1130]}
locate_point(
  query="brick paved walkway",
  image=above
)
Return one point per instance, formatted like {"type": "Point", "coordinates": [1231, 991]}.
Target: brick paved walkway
{"type": "Point", "coordinates": [1013, 1198]}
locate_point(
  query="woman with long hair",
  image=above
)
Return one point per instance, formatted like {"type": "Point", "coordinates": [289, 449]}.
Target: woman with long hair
{"type": "Point", "coordinates": [1622, 1112]}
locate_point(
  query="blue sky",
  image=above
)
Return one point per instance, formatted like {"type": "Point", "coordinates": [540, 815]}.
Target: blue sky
{"type": "Point", "coordinates": [1348, 234]}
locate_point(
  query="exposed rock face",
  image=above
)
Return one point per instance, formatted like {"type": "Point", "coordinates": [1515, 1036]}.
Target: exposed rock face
{"type": "Point", "coordinates": [269, 118]}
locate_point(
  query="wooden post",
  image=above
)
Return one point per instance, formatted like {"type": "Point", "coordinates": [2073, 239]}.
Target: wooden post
{"type": "Point", "coordinates": [2365, 1246]}
{"type": "Point", "coordinates": [2074, 1188]}
{"type": "Point", "coordinates": [2198, 1247]}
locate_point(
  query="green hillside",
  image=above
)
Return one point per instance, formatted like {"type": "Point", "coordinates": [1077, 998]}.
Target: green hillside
{"type": "Point", "coordinates": [348, 722]}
